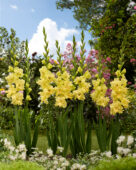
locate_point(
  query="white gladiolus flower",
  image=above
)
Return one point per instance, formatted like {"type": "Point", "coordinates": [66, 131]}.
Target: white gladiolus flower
{"type": "Point", "coordinates": [130, 140]}
{"type": "Point", "coordinates": [49, 152]}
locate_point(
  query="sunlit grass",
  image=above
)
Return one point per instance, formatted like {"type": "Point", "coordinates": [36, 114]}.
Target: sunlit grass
{"type": "Point", "coordinates": [42, 143]}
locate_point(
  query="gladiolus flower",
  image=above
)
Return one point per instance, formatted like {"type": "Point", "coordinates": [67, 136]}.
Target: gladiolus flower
{"type": "Point", "coordinates": [133, 60]}
{"type": "Point", "coordinates": [108, 59]}
{"type": "Point", "coordinates": [135, 86]}
{"type": "Point", "coordinates": [129, 82]}
{"type": "Point", "coordinates": [3, 92]}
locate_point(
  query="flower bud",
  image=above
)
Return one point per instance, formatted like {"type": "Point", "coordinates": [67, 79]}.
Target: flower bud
{"type": "Point", "coordinates": [27, 85]}
{"type": "Point", "coordinates": [63, 68]}
{"type": "Point", "coordinates": [43, 62]}
{"type": "Point", "coordinates": [16, 63]}
{"type": "Point", "coordinates": [29, 90]}
{"type": "Point", "coordinates": [49, 66]}
{"type": "Point", "coordinates": [28, 98]}
{"type": "Point", "coordinates": [10, 69]}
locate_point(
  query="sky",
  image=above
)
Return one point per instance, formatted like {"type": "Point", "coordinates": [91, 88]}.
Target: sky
{"type": "Point", "coordinates": [28, 17]}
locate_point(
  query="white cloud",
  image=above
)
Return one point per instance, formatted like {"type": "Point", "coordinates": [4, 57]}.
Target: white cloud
{"type": "Point", "coordinates": [32, 10]}
{"type": "Point", "coordinates": [15, 7]}
{"type": "Point", "coordinates": [36, 44]}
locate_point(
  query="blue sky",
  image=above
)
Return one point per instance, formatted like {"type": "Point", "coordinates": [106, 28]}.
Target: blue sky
{"type": "Point", "coordinates": [28, 17]}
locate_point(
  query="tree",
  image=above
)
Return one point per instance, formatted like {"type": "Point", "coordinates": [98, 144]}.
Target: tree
{"type": "Point", "coordinates": [5, 49]}
{"type": "Point", "coordinates": [116, 34]}
{"type": "Point", "coordinates": [84, 10]}
{"type": "Point", "coordinates": [112, 22]}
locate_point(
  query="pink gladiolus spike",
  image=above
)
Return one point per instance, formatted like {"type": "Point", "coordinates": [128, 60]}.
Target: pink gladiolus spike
{"type": "Point", "coordinates": [133, 60]}
{"type": "Point", "coordinates": [129, 82]}
{"type": "Point", "coordinates": [69, 47]}
{"type": "Point", "coordinates": [108, 59]}
{"type": "Point", "coordinates": [51, 61]}
{"type": "Point", "coordinates": [135, 86]}
{"type": "Point", "coordinates": [3, 92]}
{"type": "Point", "coordinates": [94, 70]}
{"type": "Point", "coordinates": [134, 7]}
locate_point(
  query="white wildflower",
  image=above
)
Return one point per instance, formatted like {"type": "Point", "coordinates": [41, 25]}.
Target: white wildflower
{"type": "Point", "coordinates": [108, 154]}
{"type": "Point", "coordinates": [120, 140]}
{"type": "Point", "coordinates": [7, 143]}
{"type": "Point", "coordinates": [75, 166]}
{"type": "Point", "coordinates": [64, 164]}
{"type": "Point", "coordinates": [55, 162]}
{"type": "Point", "coordinates": [11, 148]}
{"type": "Point", "coordinates": [16, 150]}
{"type": "Point", "coordinates": [62, 159]}
{"type": "Point", "coordinates": [134, 155]}
{"type": "Point", "coordinates": [1, 80]}
{"type": "Point", "coordinates": [118, 156]}
{"type": "Point", "coordinates": [83, 167]}
{"type": "Point", "coordinates": [130, 140]}
{"type": "Point", "coordinates": [11, 157]}
{"type": "Point", "coordinates": [22, 156]}
{"type": "Point", "coordinates": [3, 74]}
{"type": "Point", "coordinates": [60, 149]}
{"type": "Point", "coordinates": [49, 152]}
{"type": "Point", "coordinates": [78, 166]}
{"type": "Point", "coordinates": [120, 150]}
{"type": "Point", "coordinates": [126, 151]}
{"type": "Point", "coordinates": [21, 147]}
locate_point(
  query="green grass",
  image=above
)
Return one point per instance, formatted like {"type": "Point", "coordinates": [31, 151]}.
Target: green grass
{"type": "Point", "coordinates": [20, 165]}
{"type": "Point", "coordinates": [42, 143]}
{"type": "Point", "coordinates": [94, 141]}
{"type": "Point", "coordinates": [127, 163]}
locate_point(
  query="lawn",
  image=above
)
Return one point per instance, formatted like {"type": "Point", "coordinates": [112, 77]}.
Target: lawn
{"type": "Point", "coordinates": [42, 143]}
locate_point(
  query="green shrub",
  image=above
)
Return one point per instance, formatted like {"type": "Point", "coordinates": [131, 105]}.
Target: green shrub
{"type": "Point", "coordinates": [20, 165]}
{"type": "Point", "coordinates": [119, 164]}
{"type": "Point", "coordinates": [128, 119]}
{"type": "Point", "coordinates": [6, 117]}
